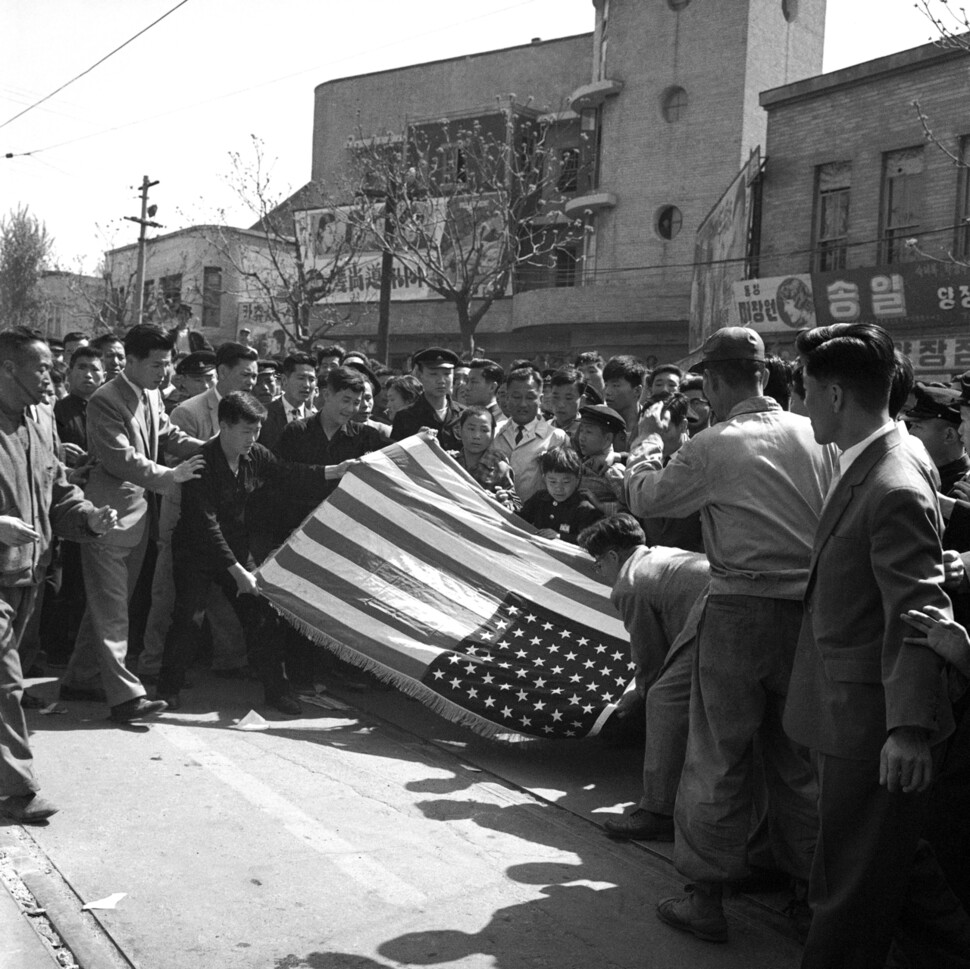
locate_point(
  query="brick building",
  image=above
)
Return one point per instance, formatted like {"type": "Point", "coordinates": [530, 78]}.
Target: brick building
{"type": "Point", "coordinates": [664, 96]}
{"type": "Point", "coordinates": [867, 210]}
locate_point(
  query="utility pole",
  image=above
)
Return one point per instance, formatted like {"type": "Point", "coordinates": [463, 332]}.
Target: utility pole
{"type": "Point", "coordinates": [144, 222]}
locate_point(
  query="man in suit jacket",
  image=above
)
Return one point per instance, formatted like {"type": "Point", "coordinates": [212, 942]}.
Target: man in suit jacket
{"type": "Point", "coordinates": [127, 432]}
{"type": "Point", "coordinates": [235, 368]}
{"type": "Point", "coordinates": [871, 707]}
{"type": "Point", "coordinates": [299, 383]}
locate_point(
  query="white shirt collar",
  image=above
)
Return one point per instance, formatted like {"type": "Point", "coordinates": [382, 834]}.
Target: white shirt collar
{"type": "Point", "coordinates": [848, 456]}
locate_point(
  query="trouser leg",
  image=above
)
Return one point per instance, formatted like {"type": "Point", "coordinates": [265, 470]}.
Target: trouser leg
{"type": "Point", "coordinates": [16, 761]}
{"type": "Point", "coordinates": [110, 574]}
{"type": "Point", "coordinates": [160, 614]}
{"type": "Point", "coordinates": [866, 847]}
{"type": "Point", "coordinates": [228, 635]}
{"type": "Point", "coordinates": [667, 718]}
{"type": "Point", "coordinates": [744, 654]}
{"type": "Point", "coordinates": [191, 591]}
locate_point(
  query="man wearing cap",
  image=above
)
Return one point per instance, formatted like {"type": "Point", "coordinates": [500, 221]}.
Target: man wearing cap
{"type": "Point", "coordinates": [194, 375]}
{"type": "Point", "coordinates": [299, 384]}
{"type": "Point", "coordinates": [235, 369]}
{"type": "Point", "coordinates": [935, 420]}
{"type": "Point", "coordinates": [267, 387]}
{"type": "Point", "coordinates": [435, 368]}
{"type": "Point", "coordinates": [758, 479]}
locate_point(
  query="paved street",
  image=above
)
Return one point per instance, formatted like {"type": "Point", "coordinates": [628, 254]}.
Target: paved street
{"type": "Point", "coordinates": [377, 835]}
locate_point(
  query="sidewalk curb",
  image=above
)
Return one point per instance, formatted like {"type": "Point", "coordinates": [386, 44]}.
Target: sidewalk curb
{"type": "Point", "coordinates": [82, 933]}
{"type": "Point", "coordinates": [88, 940]}
{"type": "Point", "coordinates": [21, 945]}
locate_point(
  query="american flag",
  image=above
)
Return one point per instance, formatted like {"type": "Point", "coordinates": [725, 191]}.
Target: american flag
{"type": "Point", "coordinates": [410, 570]}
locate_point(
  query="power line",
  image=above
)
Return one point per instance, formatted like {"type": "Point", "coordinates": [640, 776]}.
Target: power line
{"type": "Point", "coordinates": [47, 97]}
{"type": "Point", "coordinates": [276, 80]}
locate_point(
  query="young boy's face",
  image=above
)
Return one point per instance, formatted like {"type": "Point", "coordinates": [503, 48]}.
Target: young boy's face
{"type": "Point", "coordinates": [620, 394]}
{"type": "Point", "coordinates": [476, 434]}
{"type": "Point", "coordinates": [238, 439]}
{"type": "Point", "coordinates": [593, 438]}
{"type": "Point", "coordinates": [560, 486]}
{"type": "Point", "coordinates": [564, 402]}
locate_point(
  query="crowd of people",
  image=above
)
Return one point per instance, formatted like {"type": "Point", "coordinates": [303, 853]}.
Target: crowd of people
{"type": "Point", "coordinates": [787, 544]}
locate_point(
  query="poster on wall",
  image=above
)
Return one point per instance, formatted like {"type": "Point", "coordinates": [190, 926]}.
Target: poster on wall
{"type": "Point", "coordinates": [455, 230]}
{"type": "Point", "coordinates": [720, 255]}
{"type": "Point", "coordinates": [773, 304]}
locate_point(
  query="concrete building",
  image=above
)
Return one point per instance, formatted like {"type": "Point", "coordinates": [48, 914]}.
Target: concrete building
{"type": "Point", "coordinates": [869, 211]}
{"type": "Point", "coordinates": [209, 269]}
{"type": "Point", "coordinates": [71, 302]}
{"type": "Point", "coordinates": [663, 98]}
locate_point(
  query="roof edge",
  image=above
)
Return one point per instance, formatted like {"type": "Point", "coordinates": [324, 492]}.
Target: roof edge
{"type": "Point", "coordinates": [915, 58]}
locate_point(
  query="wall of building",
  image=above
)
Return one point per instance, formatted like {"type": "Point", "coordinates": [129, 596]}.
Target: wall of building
{"type": "Point", "coordinates": [381, 103]}
{"type": "Point", "coordinates": [857, 115]}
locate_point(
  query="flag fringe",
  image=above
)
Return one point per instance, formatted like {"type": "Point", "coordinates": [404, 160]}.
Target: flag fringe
{"type": "Point", "coordinates": [404, 684]}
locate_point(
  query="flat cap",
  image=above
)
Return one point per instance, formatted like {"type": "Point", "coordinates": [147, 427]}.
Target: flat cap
{"type": "Point", "coordinates": [732, 343]}
{"type": "Point", "coordinates": [604, 416]}
{"type": "Point", "coordinates": [196, 364]}
{"type": "Point", "coordinates": [265, 365]}
{"type": "Point", "coordinates": [436, 357]}
{"type": "Point", "coordinates": [935, 401]}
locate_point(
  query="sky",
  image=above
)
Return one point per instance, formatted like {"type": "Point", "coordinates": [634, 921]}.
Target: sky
{"type": "Point", "coordinates": [199, 84]}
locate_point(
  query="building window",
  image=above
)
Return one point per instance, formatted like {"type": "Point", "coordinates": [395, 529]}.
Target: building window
{"type": "Point", "coordinates": [567, 259]}
{"type": "Point", "coordinates": [673, 103]}
{"type": "Point", "coordinates": [568, 170]}
{"type": "Point", "coordinates": [789, 10]}
{"type": "Point", "coordinates": [833, 183]}
{"type": "Point", "coordinates": [677, 4]}
{"type": "Point", "coordinates": [961, 241]}
{"type": "Point", "coordinates": [453, 166]}
{"type": "Point", "coordinates": [669, 222]}
{"type": "Point", "coordinates": [902, 203]}
{"type": "Point", "coordinates": [211, 296]}
{"type": "Point", "coordinates": [171, 287]}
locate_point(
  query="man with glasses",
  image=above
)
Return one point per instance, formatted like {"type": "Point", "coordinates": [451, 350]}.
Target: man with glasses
{"type": "Point", "coordinates": [699, 409]}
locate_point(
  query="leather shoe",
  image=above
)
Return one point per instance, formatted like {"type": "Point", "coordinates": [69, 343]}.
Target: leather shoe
{"type": "Point", "coordinates": [91, 693]}
{"type": "Point", "coordinates": [683, 912]}
{"type": "Point", "coordinates": [288, 705]}
{"type": "Point", "coordinates": [173, 702]}
{"type": "Point", "coordinates": [640, 825]}
{"type": "Point", "coordinates": [137, 709]}
{"type": "Point", "coordinates": [28, 808]}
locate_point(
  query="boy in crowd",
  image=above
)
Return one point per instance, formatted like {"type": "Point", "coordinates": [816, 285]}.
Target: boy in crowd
{"type": "Point", "coordinates": [194, 375]}
{"type": "Point", "coordinates": [623, 380]}
{"type": "Point", "coordinates": [659, 594]}
{"type": "Point", "coordinates": [435, 408]}
{"type": "Point", "coordinates": [590, 365]}
{"type": "Point", "coordinates": [485, 378]}
{"type": "Point", "coordinates": [561, 510]}
{"type": "Point", "coordinates": [267, 388]}
{"type": "Point", "coordinates": [666, 379]}
{"type": "Point", "coordinates": [599, 427]}
{"type": "Point", "coordinates": [567, 390]}
{"type": "Point", "coordinates": [211, 546]}
{"type": "Point", "coordinates": [85, 376]}
{"type": "Point", "coordinates": [299, 383]}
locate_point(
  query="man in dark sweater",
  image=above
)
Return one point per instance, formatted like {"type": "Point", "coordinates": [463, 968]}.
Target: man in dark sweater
{"type": "Point", "coordinates": [211, 544]}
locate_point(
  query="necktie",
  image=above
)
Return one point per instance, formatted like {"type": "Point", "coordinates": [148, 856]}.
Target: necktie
{"type": "Point", "coordinates": [520, 430]}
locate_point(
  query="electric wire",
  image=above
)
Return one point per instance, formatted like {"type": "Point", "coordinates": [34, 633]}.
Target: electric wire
{"type": "Point", "coordinates": [77, 77]}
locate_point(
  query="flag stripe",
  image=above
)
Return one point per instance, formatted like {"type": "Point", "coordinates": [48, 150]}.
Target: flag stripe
{"type": "Point", "coordinates": [363, 504]}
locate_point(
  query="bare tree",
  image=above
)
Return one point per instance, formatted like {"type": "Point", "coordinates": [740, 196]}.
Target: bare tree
{"type": "Point", "coordinates": [468, 208]}
{"type": "Point", "coordinates": [277, 269]}
{"type": "Point", "coordinates": [24, 250]}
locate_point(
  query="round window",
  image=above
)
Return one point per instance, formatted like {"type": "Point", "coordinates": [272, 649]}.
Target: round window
{"type": "Point", "coordinates": [673, 104]}
{"type": "Point", "coordinates": [669, 222]}
{"type": "Point", "coordinates": [789, 9]}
